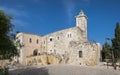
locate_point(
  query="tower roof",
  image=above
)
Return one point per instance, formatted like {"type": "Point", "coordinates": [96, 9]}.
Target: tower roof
{"type": "Point", "coordinates": [81, 14]}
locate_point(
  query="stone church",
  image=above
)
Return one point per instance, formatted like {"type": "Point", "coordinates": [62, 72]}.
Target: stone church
{"type": "Point", "coordinates": [69, 46]}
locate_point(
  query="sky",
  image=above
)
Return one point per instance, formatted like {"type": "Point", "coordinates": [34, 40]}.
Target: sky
{"type": "Point", "coordinates": [42, 17]}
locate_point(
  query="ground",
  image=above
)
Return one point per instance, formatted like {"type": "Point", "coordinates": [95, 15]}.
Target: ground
{"type": "Point", "coordinates": [64, 70]}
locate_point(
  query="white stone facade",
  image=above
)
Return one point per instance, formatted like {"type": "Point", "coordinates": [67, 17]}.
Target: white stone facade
{"type": "Point", "coordinates": [71, 42]}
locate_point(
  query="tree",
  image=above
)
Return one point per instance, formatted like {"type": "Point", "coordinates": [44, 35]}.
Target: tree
{"type": "Point", "coordinates": [116, 44]}
{"type": "Point", "coordinates": [7, 48]}
{"type": "Point", "coordinates": [106, 51]}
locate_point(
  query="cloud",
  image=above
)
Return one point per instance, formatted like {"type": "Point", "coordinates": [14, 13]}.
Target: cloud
{"type": "Point", "coordinates": [14, 12]}
{"type": "Point", "coordinates": [10, 11]}
{"type": "Point", "coordinates": [69, 6]}
{"type": "Point", "coordinates": [19, 22]}
{"type": "Point", "coordinates": [17, 15]}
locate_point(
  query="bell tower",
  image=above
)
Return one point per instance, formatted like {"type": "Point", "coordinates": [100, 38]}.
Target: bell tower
{"type": "Point", "coordinates": [81, 22]}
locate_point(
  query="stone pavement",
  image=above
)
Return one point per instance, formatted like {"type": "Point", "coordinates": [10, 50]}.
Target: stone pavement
{"type": "Point", "coordinates": [64, 70]}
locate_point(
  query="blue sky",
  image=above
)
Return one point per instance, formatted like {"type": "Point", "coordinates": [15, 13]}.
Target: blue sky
{"type": "Point", "coordinates": [46, 16]}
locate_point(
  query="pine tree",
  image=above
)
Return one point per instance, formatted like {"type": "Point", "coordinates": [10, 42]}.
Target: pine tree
{"type": "Point", "coordinates": [7, 48]}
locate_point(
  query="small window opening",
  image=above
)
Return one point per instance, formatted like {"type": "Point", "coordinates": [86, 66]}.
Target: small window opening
{"type": "Point", "coordinates": [44, 42]}
{"type": "Point", "coordinates": [51, 39]}
{"type": "Point", "coordinates": [80, 54]}
{"type": "Point", "coordinates": [58, 37]}
{"type": "Point", "coordinates": [70, 35]}
{"type": "Point", "coordinates": [37, 41]}
{"type": "Point", "coordinates": [30, 40]}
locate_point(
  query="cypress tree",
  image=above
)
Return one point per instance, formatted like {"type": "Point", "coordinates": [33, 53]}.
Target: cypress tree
{"type": "Point", "coordinates": [116, 44]}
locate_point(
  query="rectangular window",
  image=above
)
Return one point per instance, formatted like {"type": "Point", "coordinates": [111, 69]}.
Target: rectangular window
{"type": "Point", "coordinates": [80, 54]}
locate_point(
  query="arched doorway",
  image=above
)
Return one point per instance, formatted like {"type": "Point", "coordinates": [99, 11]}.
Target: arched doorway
{"type": "Point", "coordinates": [35, 52]}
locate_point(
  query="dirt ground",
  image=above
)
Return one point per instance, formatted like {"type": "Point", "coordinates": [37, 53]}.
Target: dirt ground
{"type": "Point", "coordinates": [64, 70]}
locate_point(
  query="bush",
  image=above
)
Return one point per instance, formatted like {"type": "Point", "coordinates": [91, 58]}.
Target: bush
{"type": "Point", "coordinates": [4, 71]}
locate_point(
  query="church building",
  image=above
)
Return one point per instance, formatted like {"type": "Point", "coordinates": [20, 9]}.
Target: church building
{"type": "Point", "coordinates": [70, 45]}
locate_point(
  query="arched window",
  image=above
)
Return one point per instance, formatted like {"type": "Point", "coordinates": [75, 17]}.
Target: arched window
{"type": "Point", "coordinates": [44, 41]}
{"type": "Point", "coordinates": [69, 35]}
{"type": "Point", "coordinates": [37, 41]}
{"type": "Point", "coordinates": [51, 39]}
{"type": "Point", "coordinates": [58, 37]}
{"type": "Point", "coordinates": [30, 40]}
{"type": "Point", "coordinates": [80, 54]}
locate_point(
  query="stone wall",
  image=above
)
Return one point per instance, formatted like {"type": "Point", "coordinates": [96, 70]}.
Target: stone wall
{"type": "Point", "coordinates": [30, 43]}
{"type": "Point", "coordinates": [58, 42]}
{"type": "Point", "coordinates": [36, 60]}
{"type": "Point", "coordinates": [70, 44]}
{"type": "Point", "coordinates": [90, 54]}
{"type": "Point", "coordinates": [66, 43]}
{"type": "Point", "coordinates": [44, 59]}
{"type": "Point", "coordinates": [4, 62]}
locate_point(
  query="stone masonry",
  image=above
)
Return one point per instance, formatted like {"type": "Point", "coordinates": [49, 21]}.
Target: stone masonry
{"type": "Point", "coordinates": [70, 44]}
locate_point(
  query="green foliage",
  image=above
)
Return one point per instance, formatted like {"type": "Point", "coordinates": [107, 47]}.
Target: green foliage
{"type": "Point", "coordinates": [106, 51]}
{"type": "Point", "coordinates": [116, 42]}
{"type": "Point", "coordinates": [4, 71]}
{"type": "Point", "coordinates": [7, 48]}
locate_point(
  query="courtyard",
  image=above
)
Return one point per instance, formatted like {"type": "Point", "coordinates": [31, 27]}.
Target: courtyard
{"type": "Point", "coordinates": [64, 70]}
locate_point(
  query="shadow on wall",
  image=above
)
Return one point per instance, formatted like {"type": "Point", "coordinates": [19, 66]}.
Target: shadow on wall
{"type": "Point", "coordinates": [30, 71]}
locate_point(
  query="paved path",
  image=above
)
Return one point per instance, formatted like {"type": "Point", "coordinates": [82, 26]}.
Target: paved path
{"type": "Point", "coordinates": [64, 70]}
